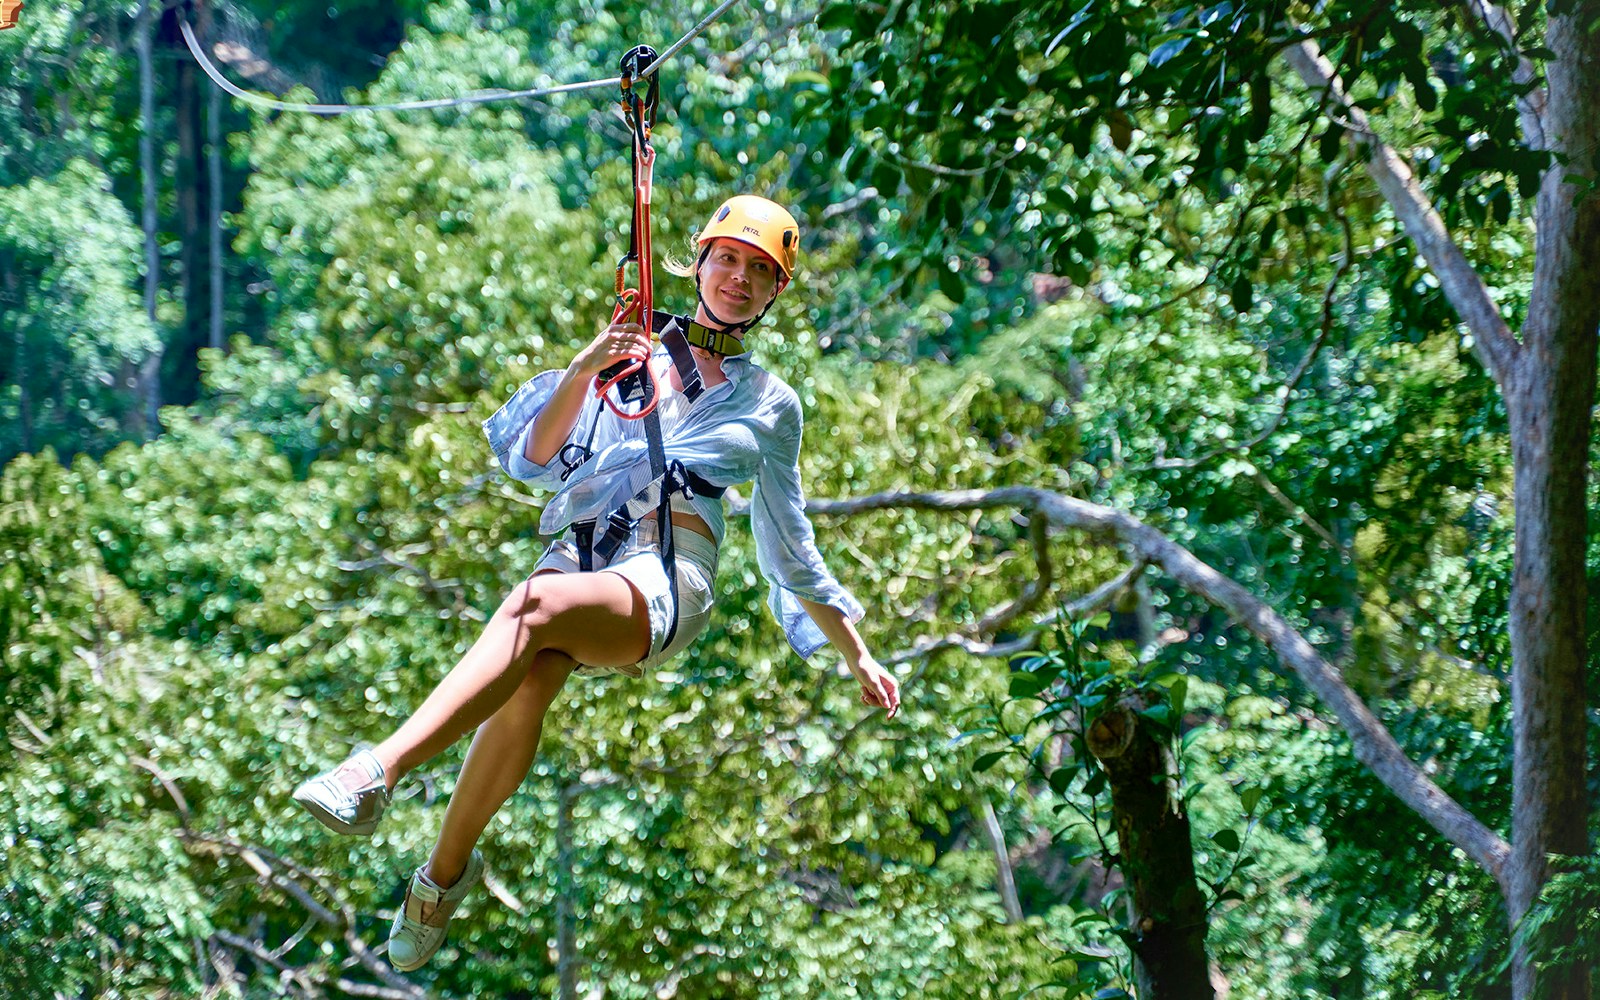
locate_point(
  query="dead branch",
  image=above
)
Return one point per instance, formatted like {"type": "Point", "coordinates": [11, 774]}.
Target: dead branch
{"type": "Point", "coordinates": [1371, 740]}
{"type": "Point", "coordinates": [1492, 339]}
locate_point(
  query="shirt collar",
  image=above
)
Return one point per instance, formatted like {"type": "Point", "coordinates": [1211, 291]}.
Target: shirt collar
{"type": "Point", "coordinates": [734, 366]}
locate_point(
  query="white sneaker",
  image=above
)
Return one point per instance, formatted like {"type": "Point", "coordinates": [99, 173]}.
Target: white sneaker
{"type": "Point", "coordinates": [423, 917]}
{"type": "Point", "coordinates": [341, 809]}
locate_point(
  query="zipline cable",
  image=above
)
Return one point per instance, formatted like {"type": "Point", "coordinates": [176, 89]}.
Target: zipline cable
{"type": "Point", "coordinates": [476, 97]}
{"type": "Point", "coordinates": [680, 43]}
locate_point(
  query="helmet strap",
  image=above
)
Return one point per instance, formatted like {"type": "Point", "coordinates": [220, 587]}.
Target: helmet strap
{"type": "Point", "coordinates": [734, 329]}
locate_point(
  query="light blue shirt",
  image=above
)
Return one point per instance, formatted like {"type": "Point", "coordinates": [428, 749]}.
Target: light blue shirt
{"type": "Point", "coordinates": [746, 428]}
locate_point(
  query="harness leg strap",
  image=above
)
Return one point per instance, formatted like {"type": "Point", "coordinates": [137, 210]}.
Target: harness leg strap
{"type": "Point", "coordinates": [583, 537]}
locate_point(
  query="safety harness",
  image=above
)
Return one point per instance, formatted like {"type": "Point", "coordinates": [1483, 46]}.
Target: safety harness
{"type": "Point", "coordinates": [634, 382]}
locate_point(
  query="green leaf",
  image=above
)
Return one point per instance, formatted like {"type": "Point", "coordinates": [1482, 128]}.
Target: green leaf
{"type": "Point", "coordinates": [1329, 143]}
{"type": "Point", "coordinates": [808, 77]}
{"type": "Point", "coordinates": [1250, 798]}
{"type": "Point", "coordinates": [988, 760]}
{"type": "Point", "coordinates": [1269, 232]}
{"type": "Point", "coordinates": [886, 178]}
{"type": "Point", "coordinates": [1027, 685]}
{"type": "Point", "coordinates": [1168, 50]}
{"type": "Point", "coordinates": [1228, 840]}
{"type": "Point", "coordinates": [1194, 734]}
{"type": "Point", "coordinates": [1161, 715]}
{"type": "Point", "coordinates": [955, 210]}
{"type": "Point", "coordinates": [1242, 294]}
{"type": "Point", "coordinates": [952, 286]}
{"type": "Point", "coordinates": [960, 738]}
{"type": "Point", "coordinates": [839, 16]}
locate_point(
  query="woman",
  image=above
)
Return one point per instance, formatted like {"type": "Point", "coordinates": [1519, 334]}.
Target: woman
{"type": "Point", "coordinates": [580, 611]}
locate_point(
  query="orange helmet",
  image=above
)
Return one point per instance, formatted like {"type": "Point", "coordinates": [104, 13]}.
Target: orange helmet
{"type": "Point", "coordinates": [763, 224]}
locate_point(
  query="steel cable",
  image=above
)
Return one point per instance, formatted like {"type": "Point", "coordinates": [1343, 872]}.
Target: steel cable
{"type": "Point", "coordinates": [476, 97]}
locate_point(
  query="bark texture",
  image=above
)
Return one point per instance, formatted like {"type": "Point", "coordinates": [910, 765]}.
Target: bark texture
{"type": "Point", "coordinates": [1155, 854]}
{"type": "Point", "coordinates": [146, 376]}
{"type": "Point", "coordinates": [1549, 396]}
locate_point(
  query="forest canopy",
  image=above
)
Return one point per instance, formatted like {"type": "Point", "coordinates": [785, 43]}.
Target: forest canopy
{"type": "Point", "coordinates": [1212, 381]}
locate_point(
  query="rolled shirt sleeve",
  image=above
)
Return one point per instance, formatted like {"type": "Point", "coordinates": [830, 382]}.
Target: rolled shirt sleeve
{"type": "Point", "coordinates": [747, 429]}
{"type": "Point", "coordinates": [508, 431]}
{"type": "Point", "coordinates": [786, 549]}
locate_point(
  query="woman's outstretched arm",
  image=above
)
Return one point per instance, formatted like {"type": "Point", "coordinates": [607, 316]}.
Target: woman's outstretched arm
{"type": "Point", "coordinates": [878, 686]}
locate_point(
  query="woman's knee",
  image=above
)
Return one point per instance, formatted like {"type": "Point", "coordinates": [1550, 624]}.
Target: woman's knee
{"type": "Point", "coordinates": [546, 675]}
{"type": "Point", "coordinates": [600, 617]}
{"type": "Point", "coordinates": [534, 602]}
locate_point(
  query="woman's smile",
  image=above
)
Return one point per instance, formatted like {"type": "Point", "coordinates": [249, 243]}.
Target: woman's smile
{"type": "Point", "coordinates": [739, 279]}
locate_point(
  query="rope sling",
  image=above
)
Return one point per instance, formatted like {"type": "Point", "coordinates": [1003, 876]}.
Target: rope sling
{"type": "Point", "coordinates": [634, 382]}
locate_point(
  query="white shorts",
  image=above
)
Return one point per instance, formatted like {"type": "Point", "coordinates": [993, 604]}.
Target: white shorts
{"type": "Point", "coordinates": [639, 562]}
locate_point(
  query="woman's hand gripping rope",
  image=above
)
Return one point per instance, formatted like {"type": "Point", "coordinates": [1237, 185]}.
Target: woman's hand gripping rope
{"type": "Point", "coordinates": [628, 319]}
{"type": "Point", "coordinates": [621, 341]}
{"type": "Point", "coordinates": [635, 306]}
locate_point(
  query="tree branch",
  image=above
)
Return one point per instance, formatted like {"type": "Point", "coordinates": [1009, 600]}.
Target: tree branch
{"type": "Point", "coordinates": [1463, 287]}
{"type": "Point", "coordinates": [1531, 104]}
{"type": "Point", "coordinates": [1372, 742]}
{"type": "Point", "coordinates": [1324, 331]}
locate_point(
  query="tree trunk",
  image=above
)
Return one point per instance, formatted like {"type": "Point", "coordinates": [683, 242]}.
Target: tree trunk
{"type": "Point", "coordinates": [1156, 854]}
{"type": "Point", "coordinates": [182, 373]}
{"type": "Point", "coordinates": [1549, 398]}
{"type": "Point", "coordinates": [1005, 879]}
{"type": "Point", "coordinates": [146, 378]}
{"type": "Point", "coordinates": [566, 937]}
{"type": "Point", "coordinates": [1548, 401]}
{"type": "Point", "coordinates": [1548, 383]}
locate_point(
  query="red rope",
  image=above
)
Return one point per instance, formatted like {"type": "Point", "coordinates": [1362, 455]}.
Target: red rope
{"type": "Point", "coordinates": [637, 304]}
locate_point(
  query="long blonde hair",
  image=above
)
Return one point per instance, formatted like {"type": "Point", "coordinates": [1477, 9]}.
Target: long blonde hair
{"type": "Point", "coordinates": [680, 266]}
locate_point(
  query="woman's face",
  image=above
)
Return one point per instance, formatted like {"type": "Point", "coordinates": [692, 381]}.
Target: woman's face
{"type": "Point", "coordinates": [737, 280]}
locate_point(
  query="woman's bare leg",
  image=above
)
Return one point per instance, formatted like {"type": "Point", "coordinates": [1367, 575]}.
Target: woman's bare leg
{"type": "Point", "coordinates": [501, 754]}
{"type": "Point", "coordinates": [594, 618]}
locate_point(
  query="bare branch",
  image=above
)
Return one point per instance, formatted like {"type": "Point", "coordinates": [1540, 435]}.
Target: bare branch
{"type": "Point", "coordinates": [1491, 337]}
{"type": "Point", "coordinates": [1092, 603]}
{"type": "Point", "coordinates": [1531, 104]}
{"type": "Point", "coordinates": [310, 978]}
{"type": "Point", "coordinates": [171, 786]}
{"type": "Point", "coordinates": [1299, 513]}
{"type": "Point", "coordinates": [849, 204]}
{"type": "Point", "coordinates": [268, 875]}
{"type": "Point", "coordinates": [731, 62]}
{"type": "Point", "coordinates": [1372, 742]}
{"type": "Point", "coordinates": [1324, 331]}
